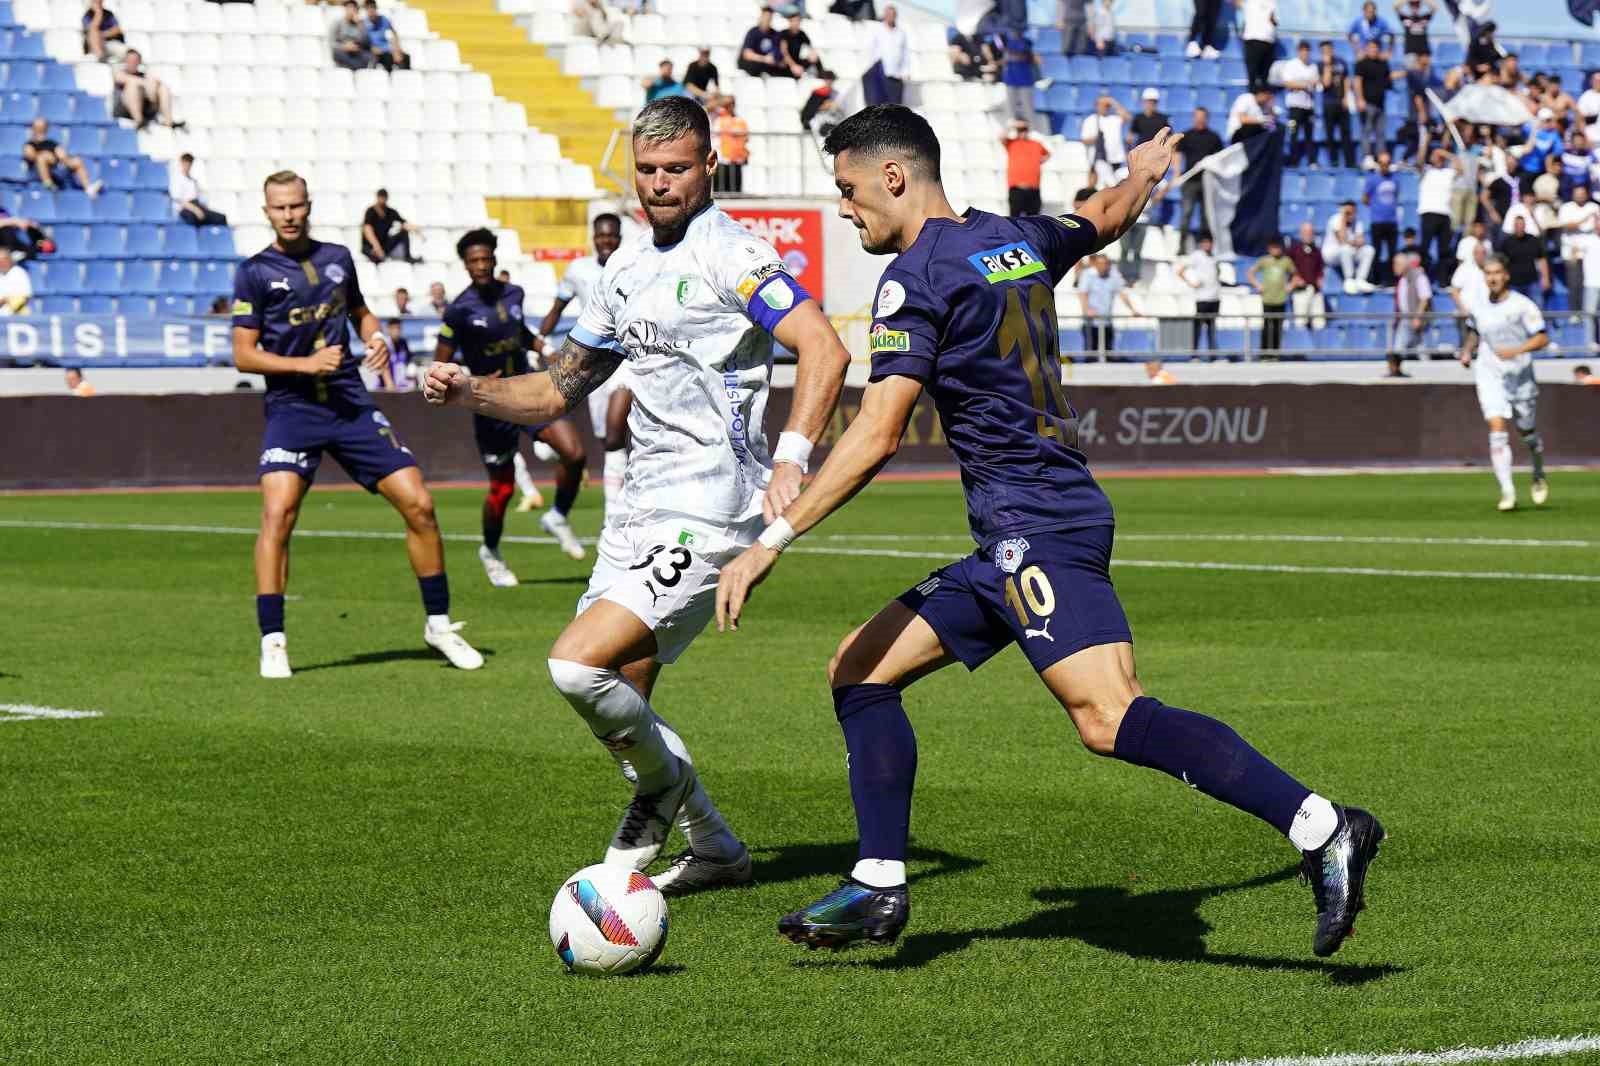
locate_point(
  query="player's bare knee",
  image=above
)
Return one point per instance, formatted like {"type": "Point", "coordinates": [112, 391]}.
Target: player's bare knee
{"type": "Point", "coordinates": [1097, 719]}
{"type": "Point", "coordinates": [419, 513]}
{"type": "Point", "coordinates": [277, 521]}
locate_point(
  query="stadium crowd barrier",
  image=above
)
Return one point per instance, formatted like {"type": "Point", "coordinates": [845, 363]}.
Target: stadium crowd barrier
{"type": "Point", "coordinates": [62, 442]}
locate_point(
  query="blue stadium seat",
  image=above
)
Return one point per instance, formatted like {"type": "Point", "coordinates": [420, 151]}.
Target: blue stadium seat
{"type": "Point", "coordinates": [144, 242]}
{"type": "Point", "coordinates": [57, 77]}
{"type": "Point", "coordinates": [1205, 74]}
{"type": "Point", "coordinates": [57, 107]}
{"type": "Point", "coordinates": [1449, 53]}
{"type": "Point", "coordinates": [1589, 54]}
{"type": "Point", "coordinates": [1054, 65]}
{"type": "Point", "coordinates": [182, 241]}
{"type": "Point", "coordinates": [1085, 69]}
{"type": "Point", "coordinates": [39, 206]}
{"type": "Point", "coordinates": [216, 242]}
{"type": "Point", "coordinates": [172, 304]}
{"type": "Point", "coordinates": [102, 277]}
{"type": "Point", "coordinates": [1138, 39]}
{"type": "Point", "coordinates": [178, 276]}
{"type": "Point", "coordinates": [151, 207]}
{"type": "Point", "coordinates": [74, 205]}
{"type": "Point", "coordinates": [26, 45]}
{"type": "Point", "coordinates": [108, 242]}
{"type": "Point", "coordinates": [19, 106]}
{"type": "Point", "coordinates": [214, 279]}
{"type": "Point", "coordinates": [152, 175]}
{"type": "Point", "coordinates": [54, 305]}
{"type": "Point", "coordinates": [1142, 69]}
{"type": "Point", "coordinates": [24, 76]}
{"type": "Point", "coordinates": [1116, 70]}
{"type": "Point", "coordinates": [1233, 72]}
{"type": "Point", "coordinates": [1047, 39]}
{"type": "Point", "coordinates": [111, 206]}
{"type": "Point", "coordinates": [12, 138]}
{"type": "Point", "coordinates": [1178, 102]}
{"type": "Point", "coordinates": [121, 142]}
{"type": "Point", "coordinates": [72, 240]}
{"type": "Point", "coordinates": [134, 305]}
{"type": "Point", "coordinates": [96, 305]}
{"type": "Point", "coordinates": [62, 276]}
{"type": "Point", "coordinates": [142, 277]}
{"type": "Point", "coordinates": [87, 141]}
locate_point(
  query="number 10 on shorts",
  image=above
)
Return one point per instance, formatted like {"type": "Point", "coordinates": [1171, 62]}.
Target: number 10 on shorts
{"type": "Point", "coordinates": [1030, 588]}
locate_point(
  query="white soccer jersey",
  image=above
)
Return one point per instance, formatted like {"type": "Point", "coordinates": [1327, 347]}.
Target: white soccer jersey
{"type": "Point", "coordinates": [1507, 323]}
{"type": "Point", "coordinates": [693, 320]}
{"type": "Point", "coordinates": [578, 282]}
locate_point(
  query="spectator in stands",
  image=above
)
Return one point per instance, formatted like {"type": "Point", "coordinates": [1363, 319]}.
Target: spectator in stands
{"type": "Point", "coordinates": [1433, 213]}
{"type": "Point", "coordinates": [16, 287]}
{"type": "Point", "coordinates": [1098, 289]}
{"type": "Point", "coordinates": [220, 305]}
{"type": "Point", "coordinates": [969, 60]}
{"type": "Point", "coordinates": [1150, 120]}
{"type": "Point", "coordinates": [1527, 265]}
{"type": "Point", "coordinates": [53, 163]}
{"type": "Point", "coordinates": [1577, 223]}
{"type": "Point", "coordinates": [402, 301]}
{"type": "Point", "coordinates": [1467, 246]}
{"type": "Point", "coordinates": [385, 233]}
{"type": "Point", "coordinates": [1381, 195]}
{"type": "Point", "coordinates": [1072, 19]}
{"type": "Point", "coordinates": [1370, 27]}
{"type": "Point", "coordinates": [1414, 16]}
{"type": "Point", "coordinates": [733, 147]}
{"type": "Point", "coordinates": [1157, 374]}
{"type": "Point", "coordinates": [1545, 142]}
{"type": "Point", "coordinates": [761, 55]}
{"type": "Point", "coordinates": [1103, 28]}
{"type": "Point", "coordinates": [1025, 158]}
{"type": "Point", "coordinates": [1344, 245]}
{"type": "Point", "coordinates": [1484, 52]}
{"type": "Point", "coordinates": [22, 237]}
{"type": "Point", "coordinates": [1102, 133]}
{"type": "Point", "coordinates": [1305, 290]}
{"type": "Point", "coordinates": [1198, 270]}
{"type": "Point", "coordinates": [1420, 128]}
{"type": "Point", "coordinates": [101, 31]}
{"type": "Point", "coordinates": [1271, 276]}
{"type": "Point", "coordinates": [1260, 36]}
{"type": "Point", "coordinates": [701, 78]}
{"type": "Point", "coordinates": [1468, 286]}
{"type": "Point", "coordinates": [1196, 143]}
{"type": "Point", "coordinates": [1582, 375]}
{"type": "Point", "coordinates": [187, 198]}
{"type": "Point", "coordinates": [1578, 162]}
{"type": "Point", "coordinates": [888, 61]}
{"type": "Point", "coordinates": [1525, 210]}
{"type": "Point", "coordinates": [1372, 81]}
{"type": "Point", "coordinates": [141, 95]}
{"type": "Point", "coordinates": [383, 42]}
{"type": "Point", "coordinates": [348, 39]}
{"type": "Point", "coordinates": [799, 57]}
{"type": "Point", "coordinates": [1254, 112]}
{"type": "Point", "coordinates": [1412, 297]}
{"type": "Point", "coordinates": [76, 384]}
{"type": "Point", "coordinates": [1018, 73]}
{"type": "Point", "coordinates": [822, 110]}
{"type": "Point", "coordinates": [397, 375]}
{"type": "Point", "coordinates": [1337, 103]}
{"type": "Point", "coordinates": [1300, 78]}
{"type": "Point", "coordinates": [1203, 30]}
{"type": "Point", "coordinates": [590, 18]}
{"type": "Point", "coordinates": [663, 84]}
{"type": "Point", "coordinates": [1589, 102]}
{"type": "Point", "coordinates": [854, 10]}
{"type": "Point", "coordinates": [437, 300]}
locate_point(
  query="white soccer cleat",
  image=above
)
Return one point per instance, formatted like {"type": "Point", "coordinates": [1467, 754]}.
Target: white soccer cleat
{"type": "Point", "coordinates": [544, 453]}
{"type": "Point", "coordinates": [558, 527]}
{"type": "Point", "coordinates": [531, 501]}
{"type": "Point", "coordinates": [275, 656]}
{"type": "Point", "coordinates": [500, 575]}
{"type": "Point", "coordinates": [1541, 492]}
{"type": "Point", "coordinates": [449, 643]}
{"type": "Point", "coordinates": [1192, 50]}
{"type": "Point", "coordinates": [1508, 502]}
{"type": "Point", "coordinates": [648, 821]}
{"type": "Point", "coordinates": [691, 873]}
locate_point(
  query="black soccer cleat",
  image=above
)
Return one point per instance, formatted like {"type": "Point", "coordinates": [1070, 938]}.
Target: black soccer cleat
{"type": "Point", "coordinates": [1337, 872]}
{"type": "Point", "coordinates": [850, 913]}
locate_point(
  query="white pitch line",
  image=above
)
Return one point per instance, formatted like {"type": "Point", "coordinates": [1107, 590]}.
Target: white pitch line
{"type": "Point", "coordinates": [27, 712]}
{"type": "Point", "coordinates": [874, 553]}
{"type": "Point", "coordinates": [1537, 1048]}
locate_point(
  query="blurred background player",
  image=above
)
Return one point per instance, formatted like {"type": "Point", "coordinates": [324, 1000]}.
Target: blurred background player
{"type": "Point", "coordinates": [700, 481]}
{"type": "Point", "coordinates": [608, 404]}
{"type": "Point", "coordinates": [1506, 328]}
{"type": "Point", "coordinates": [484, 324]}
{"type": "Point", "coordinates": [294, 304]}
{"type": "Point", "coordinates": [967, 312]}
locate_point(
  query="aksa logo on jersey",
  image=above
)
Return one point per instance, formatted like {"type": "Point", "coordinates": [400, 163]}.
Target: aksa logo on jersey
{"type": "Point", "coordinates": [884, 339]}
{"type": "Point", "coordinates": [1008, 554]}
{"type": "Point", "coordinates": [1007, 263]}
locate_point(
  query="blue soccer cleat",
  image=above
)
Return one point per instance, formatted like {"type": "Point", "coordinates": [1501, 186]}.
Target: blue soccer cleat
{"type": "Point", "coordinates": [1338, 875]}
{"type": "Point", "coordinates": [849, 913]}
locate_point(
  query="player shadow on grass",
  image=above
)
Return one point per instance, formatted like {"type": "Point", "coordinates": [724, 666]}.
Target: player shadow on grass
{"type": "Point", "coordinates": [779, 863]}
{"type": "Point", "coordinates": [1165, 926]}
{"type": "Point", "coordinates": [393, 655]}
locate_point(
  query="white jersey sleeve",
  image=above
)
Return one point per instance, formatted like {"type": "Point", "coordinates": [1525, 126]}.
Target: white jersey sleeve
{"type": "Point", "coordinates": [597, 325]}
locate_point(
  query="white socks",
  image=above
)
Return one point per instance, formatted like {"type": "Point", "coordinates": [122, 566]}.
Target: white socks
{"type": "Point", "coordinates": [1313, 824]}
{"type": "Point", "coordinates": [616, 463]}
{"type": "Point", "coordinates": [1500, 460]}
{"type": "Point", "coordinates": [622, 720]}
{"type": "Point", "coordinates": [880, 873]}
{"type": "Point", "coordinates": [438, 622]}
{"type": "Point", "coordinates": [519, 470]}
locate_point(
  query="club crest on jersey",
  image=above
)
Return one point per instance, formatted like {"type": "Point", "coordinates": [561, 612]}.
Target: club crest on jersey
{"type": "Point", "coordinates": [1007, 263]}
{"type": "Point", "coordinates": [688, 285]}
{"type": "Point", "coordinates": [336, 274]}
{"type": "Point", "coordinates": [884, 339]}
{"type": "Point", "coordinates": [1008, 554]}
{"type": "Point", "coordinates": [891, 298]}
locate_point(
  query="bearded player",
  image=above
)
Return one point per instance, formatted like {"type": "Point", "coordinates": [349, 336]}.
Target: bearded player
{"type": "Point", "coordinates": [484, 327]}
{"type": "Point", "coordinates": [293, 305]}
{"type": "Point", "coordinates": [966, 312]}
{"type": "Point", "coordinates": [693, 306]}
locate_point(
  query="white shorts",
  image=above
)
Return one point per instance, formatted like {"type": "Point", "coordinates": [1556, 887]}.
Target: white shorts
{"type": "Point", "coordinates": [666, 574]}
{"type": "Point", "coordinates": [1509, 396]}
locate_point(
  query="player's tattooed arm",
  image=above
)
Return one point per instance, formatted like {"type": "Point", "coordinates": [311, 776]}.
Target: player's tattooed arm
{"type": "Point", "coordinates": [530, 399]}
{"type": "Point", "coordinates": [1113, 211]}
{"type": "Point", "coordinates": [577, 370]}
{"type": "Point", "coordinates": [1469, 344]}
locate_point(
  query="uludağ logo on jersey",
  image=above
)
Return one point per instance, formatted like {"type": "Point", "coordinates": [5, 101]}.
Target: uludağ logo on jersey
{"type": "Point", "coordinates": [1008, 553]}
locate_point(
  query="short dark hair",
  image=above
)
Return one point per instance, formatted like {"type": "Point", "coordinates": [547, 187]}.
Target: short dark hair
{"type": "Point", "coordinates": [671, 117]}
{"type": "Point", "coordinates": [607, 216]}
{"type": "Point", "coordinates": [383, 193]}
{"type": "Point", "coordinates": [1582, 368]}
{"type": "Point", "coordinates": [1497, 260]}
{"type": "Point", "coordinates": [474, 237]}
{"type": "Point", "coordinates": [186, 158]}
{"type": "Point", "coordinates": [888, 129]}
{"type": "Point", "coordinates": [1348, 203]}
{"type": "Point", "coordinates": [395, 322]}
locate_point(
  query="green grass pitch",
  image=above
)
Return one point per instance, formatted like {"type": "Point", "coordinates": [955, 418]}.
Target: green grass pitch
{"type": "Point", "coordinates": [355, 866]}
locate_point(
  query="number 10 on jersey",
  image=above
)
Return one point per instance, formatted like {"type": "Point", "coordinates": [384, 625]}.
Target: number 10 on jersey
{"type": "Point", "coordinates": [1033, 334]}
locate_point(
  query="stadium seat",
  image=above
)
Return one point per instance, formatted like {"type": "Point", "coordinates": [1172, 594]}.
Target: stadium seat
{"type": "Point", "coordinates": [216, 242]}
{"type": "Point", "coordinates": [96, 304]}
{"type": "Point", "coordinates": [107, 242]}
{"type": "Point", "coordinates": [102, 277]}
{"type": "Point", "coordinates": [213, 278]}
{"type": "Point", "coordinates": [142, 278]}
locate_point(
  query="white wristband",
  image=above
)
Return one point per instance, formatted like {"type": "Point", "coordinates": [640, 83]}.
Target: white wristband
{"type": "Point", "coordinates": [777, 536]}
{"type": "Point", "coordinates": [793, 448]}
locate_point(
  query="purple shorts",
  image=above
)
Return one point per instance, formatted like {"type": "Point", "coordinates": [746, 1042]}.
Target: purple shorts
{"type": "Point", "coordinates": [1049, 593]}
{"type": "Point", "coordinates": [361, 440]}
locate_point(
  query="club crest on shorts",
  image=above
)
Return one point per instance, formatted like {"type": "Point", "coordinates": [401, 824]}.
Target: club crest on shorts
{"type": "Point", "coordinates": [1008, 553]}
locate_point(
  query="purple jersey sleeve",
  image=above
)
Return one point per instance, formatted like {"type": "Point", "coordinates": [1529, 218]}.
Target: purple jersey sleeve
{"type": "Point", "coordinates": [352, 287]}
{"type": "Point", "coordinates": [247, 302]}
{"type": "Point", "coordinates": [1061, 239]}
{"type": "Point", "coordinates": [906, 317]}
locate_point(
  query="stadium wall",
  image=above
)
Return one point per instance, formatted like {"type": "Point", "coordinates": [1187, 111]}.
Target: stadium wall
{"type": "Point", "coordinates": [59, 442]}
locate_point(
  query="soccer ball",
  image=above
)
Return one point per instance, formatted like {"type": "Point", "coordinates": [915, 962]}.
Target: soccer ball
{"type": "Point", "coordinates": [608, 919]}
